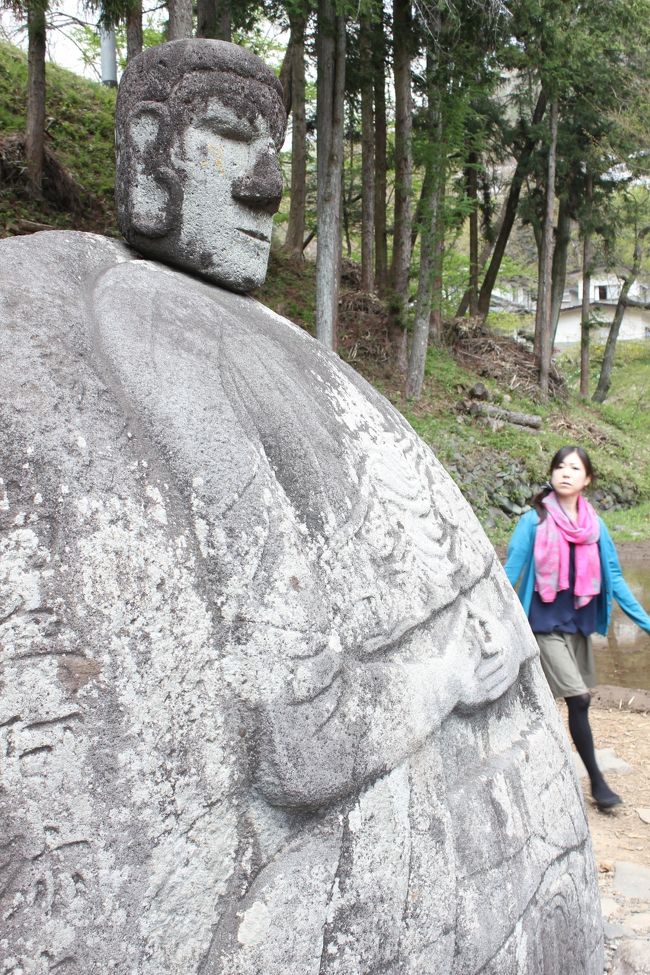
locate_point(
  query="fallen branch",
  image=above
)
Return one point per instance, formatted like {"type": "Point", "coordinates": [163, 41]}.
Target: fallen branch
{"type": "Point", "coordinates": [31, 227]}
{"type": "Point", "coordinates": [498, 413]}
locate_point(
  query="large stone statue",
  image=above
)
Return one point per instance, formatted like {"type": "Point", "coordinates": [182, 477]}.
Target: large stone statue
{"type": "Point", "coordinates": [270, 706]}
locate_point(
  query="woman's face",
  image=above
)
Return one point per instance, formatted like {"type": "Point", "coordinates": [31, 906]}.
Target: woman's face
{"type": "Point", "coordinates": [570, 478]}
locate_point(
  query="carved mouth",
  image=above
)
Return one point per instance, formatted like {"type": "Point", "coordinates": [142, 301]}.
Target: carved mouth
{"type": "Point", "coordinates": [255, 234]}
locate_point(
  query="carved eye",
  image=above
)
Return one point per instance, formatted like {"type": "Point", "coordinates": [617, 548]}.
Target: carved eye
{"type": "Point", "coordinates": [238, 130]}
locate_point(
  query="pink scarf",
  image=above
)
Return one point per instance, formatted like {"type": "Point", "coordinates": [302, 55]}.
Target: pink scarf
{"type": "Point", "coordinates": [552, 552]}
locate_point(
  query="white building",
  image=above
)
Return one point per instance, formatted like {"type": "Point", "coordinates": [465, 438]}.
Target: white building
{"type": "Point", "coordinates": [605, 291]}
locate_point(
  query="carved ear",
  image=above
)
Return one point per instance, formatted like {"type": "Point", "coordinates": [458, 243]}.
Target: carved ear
{"type": "Point", "coordinates": [149, 177]}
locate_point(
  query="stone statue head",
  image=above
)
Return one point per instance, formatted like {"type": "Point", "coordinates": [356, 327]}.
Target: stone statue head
{"type": "Point", "coordinates": [198, 127]}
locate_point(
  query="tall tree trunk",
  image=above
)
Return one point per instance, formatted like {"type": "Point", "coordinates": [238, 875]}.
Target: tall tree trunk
{"type": "Point", "coordinates": [435, 319]}
{"type": "Point", "coordinates": [510, 212]}
{"type": "Point", "coordinates": [180, 19]}
{"type": "Point", "coordinates": [585, 322]}
{"type": "Point", "coordinates": [403, 177]}
{"type": "Point", "coordinates": [472, 195]}
{"type": "Point", "coordinates": [543, 325]}
{"type": "Point", "coordinates": [486, 250]}
{"type": "Point", "coordinates": [35, 128]}
{"type": "Point", "coordinates": [421, 206]}
{"type": "Point", "coordinates": [346, 198]}
{"type": "Point", "coordinates": [537, 227]}
{"type": "Point", "coordinates": [329, 146]}
{"type": "Point", "coordinates": [560, 256]}
{"type": "Point", "coordinates": [379, 85]}
{"type": "Point", "coordinates": [214, 19]}
{"type": "Point", "coordinates": [134, 30]}
{"type": "Point", "coordinates": [293, 244]}
{"type": "Point", "coordinates": [605, 378]}
{"type": "Point", "coordinates": [367, 157]}
{"type": "Point", "coordinates": [285, 76]}
{"type": "Point", "coordinates": [434, 179]}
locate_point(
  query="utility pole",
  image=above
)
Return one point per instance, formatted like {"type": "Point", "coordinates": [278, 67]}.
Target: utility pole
{"type": "Point", "coordinates": [109, 57]}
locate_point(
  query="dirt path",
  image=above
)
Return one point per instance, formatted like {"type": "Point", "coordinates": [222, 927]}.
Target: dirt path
{"type": "Point", "coordinates": [622, 837]}
{"type": "Point", "coordinates": [633, 552]}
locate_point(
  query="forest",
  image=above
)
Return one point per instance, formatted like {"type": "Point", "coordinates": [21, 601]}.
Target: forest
{"type": "Point", "coordinates": [438, 153]}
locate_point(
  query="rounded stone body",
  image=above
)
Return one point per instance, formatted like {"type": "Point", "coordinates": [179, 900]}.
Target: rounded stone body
{"type": "Point", "coordinates": [269, 704]}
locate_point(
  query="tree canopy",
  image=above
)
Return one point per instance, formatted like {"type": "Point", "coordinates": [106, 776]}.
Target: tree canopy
{"type": "Point", "coordinates": [425, 133]}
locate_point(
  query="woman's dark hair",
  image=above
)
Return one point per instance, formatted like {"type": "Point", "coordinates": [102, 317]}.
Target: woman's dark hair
{"type": "Point", "coordinates": [556, 460]}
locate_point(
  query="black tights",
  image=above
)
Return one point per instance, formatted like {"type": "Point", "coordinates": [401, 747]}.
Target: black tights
{"type": "Point", "coordinates": [581, 732]}
{"type": "Point", "coordinates": [583, 740]}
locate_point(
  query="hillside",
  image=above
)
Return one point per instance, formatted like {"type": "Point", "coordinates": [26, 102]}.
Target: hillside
{"type": "Point", "coordinates": [80, 118]}
{"type": "Point", "coordinates": [495, 463]}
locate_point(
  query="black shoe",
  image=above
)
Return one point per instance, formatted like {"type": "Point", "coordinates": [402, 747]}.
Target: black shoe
{"type": "Point", "coordinates": [604, 797]}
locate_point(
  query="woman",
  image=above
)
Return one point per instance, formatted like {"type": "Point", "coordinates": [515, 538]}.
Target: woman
{"type": "Point", "coordinates": [565, 562]}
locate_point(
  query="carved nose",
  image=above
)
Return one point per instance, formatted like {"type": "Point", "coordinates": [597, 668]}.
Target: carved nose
{"type": "Point", "coordinates": [261, 186]}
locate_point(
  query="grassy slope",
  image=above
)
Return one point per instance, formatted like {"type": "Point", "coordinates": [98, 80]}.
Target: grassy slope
{"type": "Point", "coordinates": [80, 121]}
{"type": "Point", "coordinates": [617, 434]}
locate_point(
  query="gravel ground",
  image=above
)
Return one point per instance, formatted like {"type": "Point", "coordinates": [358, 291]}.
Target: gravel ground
{"type": "Point", "coordinates": [622, 838]}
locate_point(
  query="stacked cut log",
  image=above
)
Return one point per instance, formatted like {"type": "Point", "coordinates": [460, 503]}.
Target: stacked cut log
{"type": "Point", "coordinates": [529, 421]}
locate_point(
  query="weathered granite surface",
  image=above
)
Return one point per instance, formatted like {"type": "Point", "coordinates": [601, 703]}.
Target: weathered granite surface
{"type": "Point", "coordinates": [198, 127]}
{"type": "Point", "coordinates": [633, 957]}
{"type": "Point", "coordinates": [269, 706]}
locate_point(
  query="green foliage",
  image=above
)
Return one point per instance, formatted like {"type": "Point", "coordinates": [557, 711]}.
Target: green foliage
{"type": "Point", "coordinates": [628, 215]}
{"type": "Point", "coordinates": [628, 405]}
{"type": "Point", "coordinates": [80, 124]}
{"type": "Point", "coordinates": [267, 43]}
{"type": "Point", "coordinates": [455, 272]}
{"type": "Point", "coordinates": [594, 59]}
{"type": "Point", "coordinates": [110, 12]}
{"type": "Point", "coordinates": [509, 322]}
{"type": "Point", "coordinates": [13, 86]}
{"type": "Point", "coordinates": [629, 524]}
{"type": "Point", "coordinates": [291, 291]}
{"type": "Point", "coordinates": [88, 42]}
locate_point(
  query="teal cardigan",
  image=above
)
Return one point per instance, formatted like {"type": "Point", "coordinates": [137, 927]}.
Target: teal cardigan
{"type": "Point", "coordinates": [520, 570]}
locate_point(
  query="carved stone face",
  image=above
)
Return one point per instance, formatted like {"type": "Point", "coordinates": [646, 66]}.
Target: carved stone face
{"type": "Point", "coordinates": [232, 185]}
{"type": "Point", "coordinates": [199, 125]}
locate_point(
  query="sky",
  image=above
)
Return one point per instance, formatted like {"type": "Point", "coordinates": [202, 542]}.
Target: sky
{"type": "Point", "coordinates": [67, 15]}
{"type": "Point", "coordinates": [61, 47]}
